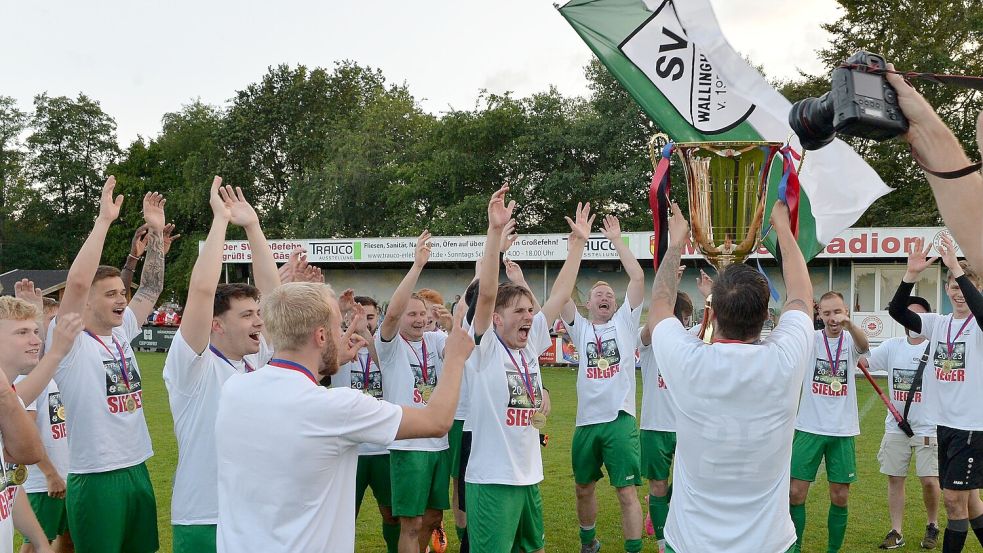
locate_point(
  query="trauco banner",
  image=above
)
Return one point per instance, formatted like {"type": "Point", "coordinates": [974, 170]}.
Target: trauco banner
{"type": "Point", "coordinates": [676, 63]}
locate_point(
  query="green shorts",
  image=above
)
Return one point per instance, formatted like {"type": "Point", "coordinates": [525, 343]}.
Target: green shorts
{"type": "Point", "coordinates": [373, 471]}
{"type": "Point", "coordinates": [454, 439]}
{"type": "Point", "coordinates": [658, 447]}
{"type": "Point", "coordinates": [113, 512]}
{"type": "Point", "coordinates": [194, 538]}
{"type": "Point", "coordinates": [51, 514]}
{"type": "Point", "coordinates": [808, 450]}
{"type": "Point", "coordinates": [420, 481]}
{"type": "Point", "coordinates": [502, 519]}
{"type": "Point", "coordinates": [613, 444]}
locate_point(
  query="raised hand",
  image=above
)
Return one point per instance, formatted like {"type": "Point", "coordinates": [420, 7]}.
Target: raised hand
{"type": "Point", "coordinates": [139, 243]}
{"type": "Point", "coordinates": [220, 208]}
{"type": "Point", "coordinates": [24, 289]}
{"type": "Point", "coordinates": [351, 343]}
{"type": "Point", "coordinates": [509, 236]}
{"type": "Point", "coordinates": [422, 253]}
{"type": "Point", "coordinates": [612, 228]}
{"type": "Point", "coordinates": [678, 227]}
{"type": "Point", "coordinates": [948, 250]}
{"type": "Point", "coordinates": [918, 258]}
{"type": "Point", "coordinates": [153, 210]}
{"type": "Point", "coordinates": [109, 207]}
{"type": "Point", "coordinates": [242, 213]}
{"type": "Point", "coordinates": [704, 284]}
{"type": "Point", "coordinates": [582, 223]}
{"type": "Point", "coordinates": [346, 303]}
{"type": "Point", "coordinates": [514, 272]}
{"type": "Point", "coordinates": [498, 212]}
{"type": "Point", "coordinates": [459, 343]}
{"type": "Point", "coordinates": [780, 218]}
{"type": "Point", "coordinates": [169, 237]}
{"type": "Point", "coordinates": [441, 315]}
{"type": "Point", "coordinates": [312, 273]}
{"type": "Point", "coordinates": [67, 329]}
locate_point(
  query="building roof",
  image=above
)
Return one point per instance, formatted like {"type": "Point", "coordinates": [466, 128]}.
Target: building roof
{"type": "Point", "coordinates": [49, 281]}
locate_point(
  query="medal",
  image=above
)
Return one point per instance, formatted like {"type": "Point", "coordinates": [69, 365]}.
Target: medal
{"type": "Point", "coordinates": [538, 420]}
{"type": "Point", "coordinates": [124, 371]}
{"type": "Point", "coordinates": [131, 404]}
{"type": "Point", "coordinates": [425, 392]}
{"type": "Point", "coordinates": [836, 386]}
{"type": "Point", "coordinates": [18, 474]}
{"type": "Point", "coordinates": [603, 363]}
{"type": "Point", "coordinates": [834, 363]}
{"type": "Point", "coordinates": [524, 374]}
{"type": "Point", "coordinates": [60, 413]}
{"type": "Point", "coordinates": [948, 365]}
{"type": "Point", "coordinates": [425, 388]}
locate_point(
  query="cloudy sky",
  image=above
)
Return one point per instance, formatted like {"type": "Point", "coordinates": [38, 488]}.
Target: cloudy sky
{"type": "Point", "coordinates": [143, 58]}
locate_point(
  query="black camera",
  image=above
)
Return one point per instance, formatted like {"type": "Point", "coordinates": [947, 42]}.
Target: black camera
{"type": "Point", "coordinates": [860, 103]}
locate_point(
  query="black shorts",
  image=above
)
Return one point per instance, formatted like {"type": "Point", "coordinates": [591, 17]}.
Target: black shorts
{"type": "Point", "coordinates": [960, 459]}
{"type": "Point", "coordinates": [465, 455]}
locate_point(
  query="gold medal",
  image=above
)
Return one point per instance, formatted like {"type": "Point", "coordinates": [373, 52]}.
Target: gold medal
{"type": "Point", "coordinates": [60, 413]}
{"type": "Point", "coordinates": [425, 392]}
{"type": "Point", "coordinates": [131, 404]}
{"type": "Point", "coordinates": [836, 386]}
{"type": "Point", "coordinates": [948, 365]}
{"type": "Point", "coordinates": [18, 474]}
{"type": "Point", "coordinates": [603, 363]}
{"type": "Point", "coordinates": [538, 420]}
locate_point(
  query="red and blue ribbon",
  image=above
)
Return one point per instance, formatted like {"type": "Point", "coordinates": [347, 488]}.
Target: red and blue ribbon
{"type": "Point", "coordinates": [659, 204]}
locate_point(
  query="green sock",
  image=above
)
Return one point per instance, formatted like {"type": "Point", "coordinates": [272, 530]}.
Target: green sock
{"type": "Point", "coordinates": [460, 530]}
{"type": "Point", "coordinates": [587, 535]}
{"type": "Point", "coordinates": [837, 527]}
{"type": "Point", "coordinates": [659, 511]}
{"type": "Point", "coordinates": [390, 533]}
{"type": "Point", "coordinates": [798, 513]}
{"type": "Point", "coordinates": [633, 546]}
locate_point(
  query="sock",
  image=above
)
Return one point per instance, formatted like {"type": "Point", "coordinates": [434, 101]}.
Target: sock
{"type": "Point", "coordinates": [955, 535]}
{"type": "Point", "coordinates": [798, 513]}
{"type": "Point", "coordinates": [460, 530]}
{"type": "Point", "coordinates": [977, 525]}
{"type": "Point", "coordinates": [587, 535]}
{"type": "Point", "coordinates": [390, 533]}
{"type": "Point", "coordinates": [659, 511]}
{"type": "Point", "coordinates": [633, 546]}
{"type": "Point", "coordinates": [837, 527]}
{"type": "Point", "coordinates": [462, 536]}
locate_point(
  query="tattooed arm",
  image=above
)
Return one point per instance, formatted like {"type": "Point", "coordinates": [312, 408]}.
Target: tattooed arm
{"type": "Point", "coordinates": [666, 281]}
{"type": "Point", "coordinates": [152, 277]}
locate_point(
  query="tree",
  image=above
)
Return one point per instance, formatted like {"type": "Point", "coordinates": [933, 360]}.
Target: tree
{"type": "Point", "coordinates": [12, 124]}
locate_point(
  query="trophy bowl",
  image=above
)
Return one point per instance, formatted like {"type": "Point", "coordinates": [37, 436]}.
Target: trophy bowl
{"type": "Point", "coordinates": [727, 185]}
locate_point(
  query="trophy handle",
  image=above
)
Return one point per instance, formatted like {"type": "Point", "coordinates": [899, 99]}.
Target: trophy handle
{"type": "Point", "coordinates": [656, 143]}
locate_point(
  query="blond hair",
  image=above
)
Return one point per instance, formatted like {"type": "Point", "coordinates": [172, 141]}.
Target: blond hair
{"type": "Point", "coordinates": [293, 311]}
{"type": "Point", "coordinates": [16, 309]}
{"type": "Point", "coordinates": [974, 277]}
{"type": "Point", "coordinates": [600, 283]}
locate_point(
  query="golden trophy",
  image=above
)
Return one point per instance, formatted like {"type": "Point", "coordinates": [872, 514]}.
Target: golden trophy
{"type": "Point", "coordinates": [727, 185]}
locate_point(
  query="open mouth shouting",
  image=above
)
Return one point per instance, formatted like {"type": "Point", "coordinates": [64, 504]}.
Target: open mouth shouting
{"type": "Point", "coordinates": [524, 332]}
{"type": "Point", "coordinates": [254, 336]}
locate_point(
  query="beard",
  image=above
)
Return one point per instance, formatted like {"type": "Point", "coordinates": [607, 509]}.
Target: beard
{"type": "Point", "coordinates": [329, 359]}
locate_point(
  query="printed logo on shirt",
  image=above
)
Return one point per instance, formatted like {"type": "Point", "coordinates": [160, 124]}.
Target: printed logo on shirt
{"type": "Point", "coordinates": [56, 414]}
{"type": "Point", "coordinates": [823, 378]}
{"type": "Point", "coordinates": [609, 352]}
{"type": "Point", "coordinates": [422, 390]}
{"type": "Point", "coordinates": [950, 369]}
{"type": "Point", "coordinates": [118, 394]}
{"type": "Point", "coordinates": [371, 388]}
{"type": "Point", "coordinates": [520, 406]}
{"type": "Point", "coordinates": [902, 379]}
{"type": "Point", "coordinates": [7, 492]}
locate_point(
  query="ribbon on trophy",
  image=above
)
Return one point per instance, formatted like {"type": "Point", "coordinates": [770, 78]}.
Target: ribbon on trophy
{"type": "Point", "coordinates": [659, 204]}
{"type": "Point", "coordinates": [789, 190]}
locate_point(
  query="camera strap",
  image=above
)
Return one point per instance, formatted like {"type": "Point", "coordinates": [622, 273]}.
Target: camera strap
{"type": "Point", "coordinates": [958, 173]}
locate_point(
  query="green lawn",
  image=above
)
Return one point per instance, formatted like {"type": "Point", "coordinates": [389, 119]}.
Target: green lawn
{"type": "Point", "coordinates": [868, 504]}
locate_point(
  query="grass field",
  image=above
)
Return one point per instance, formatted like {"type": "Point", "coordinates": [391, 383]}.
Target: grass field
{"type": "Point", "coordinates": [868, 502]}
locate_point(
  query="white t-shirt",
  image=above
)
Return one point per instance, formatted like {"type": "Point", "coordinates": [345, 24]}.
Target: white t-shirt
{"type": "Point", "coordinates": [602, 393]}
{"type": "Point", "coordinates": [657, 410]}
{"type": "Point", "coordinates": [822, 410]}
{"type": "Point", "coordinates": [287, 457]}
{"type": "Point", "coordinates": [194, 383]}
{"type": "Point", "coordinates": [900, 360]}
{"type": "Point", "coordinates": [50, 422]}
{"type": "Point", "coordinates": [403, 374]}
{"type": "Point", "coordinates": [8, 493]}
{"type": "Point", "coordinates": [102, 434]}
{"type": "Point", "coordinates": [353, 375]}
{"type": "Point", "coordinates": [505, 444]}
{"type": "Point", "coordinates": [953, 398]}
{"type": "Point", "coordinates": [735, 418]}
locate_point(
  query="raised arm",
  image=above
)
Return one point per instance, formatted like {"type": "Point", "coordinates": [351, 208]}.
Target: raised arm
{"type": "Point", "coordinates": [499, 215]}
{"type": "Point", "coordinates": [798, 285]}
{"type": "Point", "coordinates": [645, 336]}
{"type": "Point", "coordinates": [436, 417]}
{"type": "Point", "coordinates": [960, 200]}
{"type": "Point", "coordinates": [636, 276]}
{"type": "Point", "coordinates": [514, 273]}
{"type": "Point", "coordinates": [21, 442]}
{"type": "Point", "coordinates": [242, 214]}
{"type": "Point", "coordinates": [138, 245]}
{"type": "Point", "coordinates": [918, 261]}
{"type": "Point", "coordinates": [196, 324]}
{"type": "Point", "coordinates": [152, 277]}
{"type": "Point", "coordinates": [390, 325]}
{"type": "Point", "coordinates": [666, 283]}
{"type": "Point", "coordinates": [974, 300]}
{"type": "Point", "coordinates": [67, 327]}
{"type": "Point", "coordinates": [559, 298]}
{"type": "Point", "coordinates": [86, 262]}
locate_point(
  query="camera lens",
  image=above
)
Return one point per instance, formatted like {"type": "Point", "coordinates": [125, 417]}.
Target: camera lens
{"type": "Point", "coordinates": [812, 121]}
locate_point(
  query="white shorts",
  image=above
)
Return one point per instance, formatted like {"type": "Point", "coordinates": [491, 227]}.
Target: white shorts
{"type": "Point", "coordinates": [896, 450]}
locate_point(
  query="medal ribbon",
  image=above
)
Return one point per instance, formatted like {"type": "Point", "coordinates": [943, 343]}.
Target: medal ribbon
{"type": "Point", "coordinates": [949, 344]}
{"type": "Point", "coordinates": [526, 377]}
{"type": "Point", "coordinates": [597, 341]}
{"type": "Point", "coordinates": [423, 362]}
{"type": "Point", "coordinates": [833, 366]}
{"type": "Point", "coordinates": [365, 370]}
{"type": "Point", "coordinates": [291, 366]}
{"type": "Point", "coordinates": [222, 356]}
{"type": "Point", "coordinates": [121, 362]}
